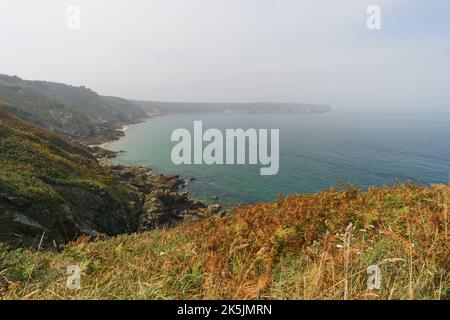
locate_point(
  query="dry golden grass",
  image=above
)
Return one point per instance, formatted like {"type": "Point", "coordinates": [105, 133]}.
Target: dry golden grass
{"type": "Point", "coordinates": [300, 247]}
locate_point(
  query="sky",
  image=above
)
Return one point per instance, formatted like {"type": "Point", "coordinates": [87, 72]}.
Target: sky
{"type": "Point", "coordinates": [237, 50]}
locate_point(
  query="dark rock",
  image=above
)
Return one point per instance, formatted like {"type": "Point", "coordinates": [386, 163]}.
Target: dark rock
{"type": "Point", "coordinates": [214, 208]}
{"type": "Point", "coordinates": [18, 201]}
{"type": "Point", "coordinates": [101, 153]}
{"type": "Point", "coordinates": [27, 224]}
{"type": "Point", "coordinates": [94, 235]}
{"type": "Point", "coordinates": [162, 203]}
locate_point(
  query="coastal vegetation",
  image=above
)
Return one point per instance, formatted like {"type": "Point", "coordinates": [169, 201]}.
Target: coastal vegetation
{"type": "Point", "coordinates": [56, 189]}
{"type": "Point", "coordinates": [315, 246]}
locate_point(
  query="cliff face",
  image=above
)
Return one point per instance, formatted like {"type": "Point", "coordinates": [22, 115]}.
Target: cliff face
{"type": "Point", "coordinates": [76, 113]}
{"type": "Point", "coordinates": [53, 191]}
{"type": "Point", "coordinates": [51, 187]}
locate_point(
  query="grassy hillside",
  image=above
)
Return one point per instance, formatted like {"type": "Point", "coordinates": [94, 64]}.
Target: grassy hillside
{"type": "Point", "coordinates": [74, 112]}
{"type": "Point", "coordinates": [53, 187]}
{"type": "Point", "coordinates": [303, 246]}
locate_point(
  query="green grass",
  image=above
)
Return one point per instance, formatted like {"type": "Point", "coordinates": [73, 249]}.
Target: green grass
{"type": "Point", "coordinates": [33, 161]}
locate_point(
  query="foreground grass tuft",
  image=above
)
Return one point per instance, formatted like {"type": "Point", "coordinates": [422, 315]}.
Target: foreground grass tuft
{"type": "Point", "coordinates": [300, 247]}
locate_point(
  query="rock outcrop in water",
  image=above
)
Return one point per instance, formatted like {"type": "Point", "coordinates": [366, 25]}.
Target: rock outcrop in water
{"type": "Point", "coordinates": [161, 202]}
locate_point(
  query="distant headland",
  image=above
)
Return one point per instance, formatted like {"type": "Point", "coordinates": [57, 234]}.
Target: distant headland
{"type": "Point", "coordinates": [237, 107]}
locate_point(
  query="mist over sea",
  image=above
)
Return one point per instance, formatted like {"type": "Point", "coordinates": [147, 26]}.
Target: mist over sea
{"type": "Point", "coordinates": [316, 152]}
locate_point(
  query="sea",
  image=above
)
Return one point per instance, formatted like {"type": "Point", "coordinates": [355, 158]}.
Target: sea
{"type": "Point", "coordinates": [318, 151]}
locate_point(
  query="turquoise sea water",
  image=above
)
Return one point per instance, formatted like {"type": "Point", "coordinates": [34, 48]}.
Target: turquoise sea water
{"type": "Point", "coordinates": [316, 151]}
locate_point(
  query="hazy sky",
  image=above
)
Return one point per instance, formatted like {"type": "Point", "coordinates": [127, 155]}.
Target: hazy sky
{"type": "Point", "coordinates": [237, 50]}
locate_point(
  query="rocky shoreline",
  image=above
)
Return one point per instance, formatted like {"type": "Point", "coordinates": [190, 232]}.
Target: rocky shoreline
{"type": "Point", "coordinates": [161, 201]}
{"type": "Point", "coordinates": [68, 190]}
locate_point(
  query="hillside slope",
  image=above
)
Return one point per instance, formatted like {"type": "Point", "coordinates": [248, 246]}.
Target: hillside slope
{"type": "Point", "coordinates": [300, 247]}
{"type": "Point", "coordinates": [77, 113]}
{"type": "Point", "coordinates": [53, 187]}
